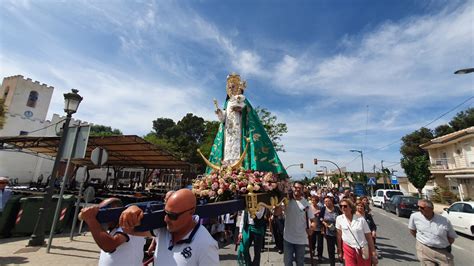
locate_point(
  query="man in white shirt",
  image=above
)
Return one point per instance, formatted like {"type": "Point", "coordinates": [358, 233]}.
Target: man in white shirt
{"type": "Point", "coordinates": [183, 241]}
{"type": "Point", "coordinates": [296, 230]}
{"type": "Point", "coordinates": [434, 235]}
{"type": "Point", "coordinates": [117, 247]}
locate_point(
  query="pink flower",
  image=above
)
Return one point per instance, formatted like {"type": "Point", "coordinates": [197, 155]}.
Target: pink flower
{"type": "Point", "coordinates": [256, 188]}
{"type": "Point", "coordinates": [243, 189]}
{"type": "Point", "coordinates": [214, 186]}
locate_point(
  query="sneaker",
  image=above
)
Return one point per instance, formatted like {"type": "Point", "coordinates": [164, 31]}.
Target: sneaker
{"type": "Point", "coordinates": [280, 251]}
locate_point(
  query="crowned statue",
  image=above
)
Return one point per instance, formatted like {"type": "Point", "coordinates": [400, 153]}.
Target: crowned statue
{"type": "Point", "coordinates": [241, 142]}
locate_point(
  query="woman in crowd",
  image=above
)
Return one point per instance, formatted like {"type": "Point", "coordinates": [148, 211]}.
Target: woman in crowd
{"type": "Point", "coordinates": [327, 217]}
{"type": "Point", "coordinates": [354, 237]}
{"type": "Point", "coordinates": [361, 211]}
{"type": "Point", "coordinates": [315, 207]}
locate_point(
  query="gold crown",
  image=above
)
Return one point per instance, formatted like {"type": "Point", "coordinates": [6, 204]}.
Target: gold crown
{"type": "Point", "coordinates": [235, 83]}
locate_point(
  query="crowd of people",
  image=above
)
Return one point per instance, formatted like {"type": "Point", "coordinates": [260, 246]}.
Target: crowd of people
{"type": "Point", "coordinates": [310, 218]}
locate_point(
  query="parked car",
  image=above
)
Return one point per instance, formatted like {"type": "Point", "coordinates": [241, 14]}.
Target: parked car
{"type": "Point", "coordinates": [402, 205]}
{"type": "Point", "coordinates": [461, 216]}
{"type": "Point", "coordinates": [383, 195]}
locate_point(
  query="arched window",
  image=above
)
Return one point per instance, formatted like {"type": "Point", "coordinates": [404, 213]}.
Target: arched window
{"type": "Point", "coordinates": [32, 99]}
{"type": "Point", "coordinates": [5, 94]}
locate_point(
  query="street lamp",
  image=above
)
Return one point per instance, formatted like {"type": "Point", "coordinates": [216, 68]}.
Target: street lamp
{"type": "Point", "coordinates": [464, 71]}
{"type": "Point", "coordinates": [325, 169]}
{"type": "Point", "coordinates": [362, 156]}
{"type": "Point", "coordinates": [71, 103]}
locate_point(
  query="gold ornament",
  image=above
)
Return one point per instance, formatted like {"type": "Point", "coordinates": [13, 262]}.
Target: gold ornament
{"type": "Point", "coordinates": [235, 85]}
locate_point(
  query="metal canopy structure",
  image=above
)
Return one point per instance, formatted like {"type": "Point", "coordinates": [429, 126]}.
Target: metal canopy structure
{"type": "Point", "coordinates": [124, 151]}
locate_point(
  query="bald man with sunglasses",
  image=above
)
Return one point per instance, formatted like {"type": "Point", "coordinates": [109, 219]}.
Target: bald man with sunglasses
{"type": "Point", "coordinates": [184, 241]}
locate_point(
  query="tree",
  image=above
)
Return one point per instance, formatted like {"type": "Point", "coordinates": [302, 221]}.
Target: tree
{"type": "Point", "coordinates": [463, 119]}
{"type": "Point", "coordinates": [184, 137]}
{"type": "Point", "coordinates": [442, 130]}
{"type": "Point", "coordinates": [101, 130]}
{"type": "Point", "coordinates": [2, 113]}
{"type": "Point", "coordinates": [411, 143]}
{"type": "Point", "coordinates": [274, 130]}
{"type": "Point", "coordinates": [415, 160]}
{"type": "Point", "coordinates": [417, 170]}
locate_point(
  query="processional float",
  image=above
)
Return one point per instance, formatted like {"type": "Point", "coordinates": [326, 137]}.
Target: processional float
{"type": "Point", "coordinates": [243, 169]}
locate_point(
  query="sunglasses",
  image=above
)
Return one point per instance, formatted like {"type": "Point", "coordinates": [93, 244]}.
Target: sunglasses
{"type": "Point", "coordinates": [421, 208]}
{"type": "Point", "coordinates": [174, 216]}
{"type": "Point", "coordinates": [344, 206]}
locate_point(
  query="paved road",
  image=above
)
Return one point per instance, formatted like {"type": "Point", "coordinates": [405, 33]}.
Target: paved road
{"type": "Point", "coordinates": [398, 245]}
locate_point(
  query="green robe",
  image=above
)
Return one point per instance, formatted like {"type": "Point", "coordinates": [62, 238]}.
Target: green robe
{"type": "Point", "coordinates": [261, 155]}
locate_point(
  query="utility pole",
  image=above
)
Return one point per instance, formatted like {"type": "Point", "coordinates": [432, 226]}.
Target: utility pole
{"type": "Point", "coordinates": [384, 177]}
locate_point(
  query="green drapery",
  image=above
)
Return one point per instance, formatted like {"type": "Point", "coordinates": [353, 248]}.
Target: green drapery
{"type": "Point", "coordinates": [261, 155]}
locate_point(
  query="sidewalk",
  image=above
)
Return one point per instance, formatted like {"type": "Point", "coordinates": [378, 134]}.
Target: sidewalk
{"type": "Point", "coordinates": [84, 251]}
{"type": "Point", "coordinates": [81, 251]}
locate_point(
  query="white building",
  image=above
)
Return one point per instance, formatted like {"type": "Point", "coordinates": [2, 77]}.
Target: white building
{"type": "Point", "coordinates": [452, 161]}
{"type": "Point", "coordinates": [27, 103]}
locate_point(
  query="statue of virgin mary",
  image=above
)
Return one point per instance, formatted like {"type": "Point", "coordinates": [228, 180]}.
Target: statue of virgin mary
{"type": "Point", "coordinates": [242, 141]}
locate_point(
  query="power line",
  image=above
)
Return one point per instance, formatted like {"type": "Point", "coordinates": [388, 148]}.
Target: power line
{"type": "Point", "coordinates": [434, 120]}
{"type": "Point", "coordinates": [36, 130]}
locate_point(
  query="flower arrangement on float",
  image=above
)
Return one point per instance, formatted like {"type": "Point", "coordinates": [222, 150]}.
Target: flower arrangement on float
{"type": "Point", "coordinates": [225, 184]}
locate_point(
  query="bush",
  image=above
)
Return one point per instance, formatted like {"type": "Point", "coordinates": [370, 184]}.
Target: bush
{"type": "Point", "coordinates": [443, 195]}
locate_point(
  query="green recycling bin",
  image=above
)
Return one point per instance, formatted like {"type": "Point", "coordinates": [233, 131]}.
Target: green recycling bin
{"type": "Point", "coordinates": [28, 214]}
{"type": "Point", "coordinates": [8, 216]}
{"type": "Point", "coordinates": [66, 212]}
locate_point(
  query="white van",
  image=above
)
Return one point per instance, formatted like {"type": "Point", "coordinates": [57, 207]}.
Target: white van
{"type": "Point", "coordinates": [383, 195]}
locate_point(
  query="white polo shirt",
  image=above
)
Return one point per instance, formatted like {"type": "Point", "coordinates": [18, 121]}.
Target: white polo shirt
{"type": "Point", "coordinates": [197, 248]}
{"type": "Point", "coordinates": [434, 232]}
{"type": "Point", "coordinates": [295, 221]}
{"type": "Point", "coordinates": [358, 227]}
{"type": "Point", "coordinates": [129, 253]}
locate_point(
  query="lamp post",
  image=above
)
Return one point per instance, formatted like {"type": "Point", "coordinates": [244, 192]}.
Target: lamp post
{"type": "Point", "coordinates": [71, 103]}
{"type": "Point", "coordinates": [325, 169]}
{"type": "Point", "coordinates": [361, 156]}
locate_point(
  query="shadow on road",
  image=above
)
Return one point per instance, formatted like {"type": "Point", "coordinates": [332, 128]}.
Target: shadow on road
{"type": "Point", "coordinates": [75, 249]}
{"type": "Point", "coordinates": [14, 260]}
{"type": "Point", "coordinates": [395, 254]}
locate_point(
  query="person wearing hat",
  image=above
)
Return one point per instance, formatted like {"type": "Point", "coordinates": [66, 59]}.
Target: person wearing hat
{"type": "Point", "coordinates": [117, 247]}
{"type": "Point", "coordinates": [5, 193]}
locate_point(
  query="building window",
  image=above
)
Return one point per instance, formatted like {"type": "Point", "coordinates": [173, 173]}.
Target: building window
{"type": "Point", "coordinates": [32, 99]}
{"type": "Point", "coordinates": [5, 94]}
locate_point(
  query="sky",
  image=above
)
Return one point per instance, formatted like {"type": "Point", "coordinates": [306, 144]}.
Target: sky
{"type": "Point", "coordinates": [343, 75]}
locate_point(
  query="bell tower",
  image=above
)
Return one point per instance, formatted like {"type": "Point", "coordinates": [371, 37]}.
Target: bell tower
{"type": "Point", "coordinates": [26, 104]}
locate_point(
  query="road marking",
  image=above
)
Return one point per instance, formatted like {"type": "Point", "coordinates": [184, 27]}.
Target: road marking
{"type": "Point", "coordinates": [458, 247]}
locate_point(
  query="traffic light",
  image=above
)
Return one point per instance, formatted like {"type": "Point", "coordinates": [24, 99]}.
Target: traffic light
{"type": "Point", "coordinates": [301, 166]}
{"type": "Point", "coordinates": [315, 161]}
